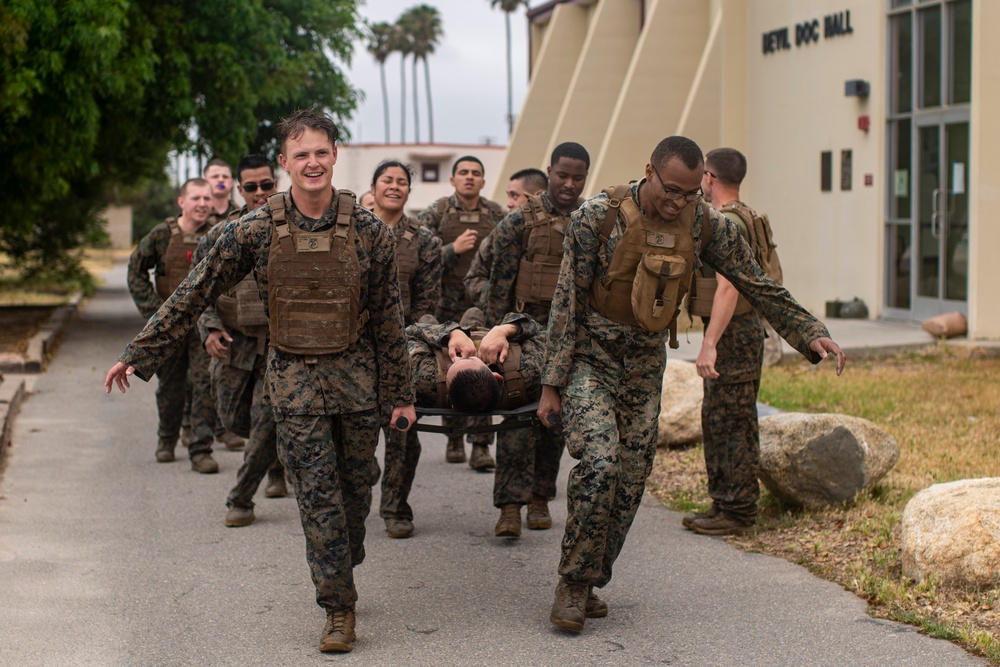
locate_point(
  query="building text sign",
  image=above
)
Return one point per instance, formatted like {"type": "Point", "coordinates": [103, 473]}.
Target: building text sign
{"type": "Point", "coordinates": [834, 25]}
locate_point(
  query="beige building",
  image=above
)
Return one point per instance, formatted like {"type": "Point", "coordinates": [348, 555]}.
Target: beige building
{"type": "Point", "coordinates": [862, 120]}
{"type": "Point", "coordinates": [431, 165]}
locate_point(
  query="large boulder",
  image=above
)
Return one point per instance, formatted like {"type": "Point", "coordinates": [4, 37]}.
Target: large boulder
{"type": "Point", "coordinates": [815, 460]}
{"type": "Point", "coordinates": [680, 406]}
{"type": "Point", "coordinates": [953, 531]}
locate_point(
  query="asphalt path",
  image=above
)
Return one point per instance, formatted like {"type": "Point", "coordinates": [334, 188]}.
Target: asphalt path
{"type": "Point", "coordinates": [109, 558]}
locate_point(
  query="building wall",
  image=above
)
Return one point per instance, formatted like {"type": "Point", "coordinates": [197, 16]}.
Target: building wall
{"type": "Point", "coordinates": [356, 164]}
{"type": "Point", "coordinates": [701, 69]}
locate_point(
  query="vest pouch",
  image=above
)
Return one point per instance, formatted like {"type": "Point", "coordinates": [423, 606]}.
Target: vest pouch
{"type": "Point", "coordinates": [537, 280]}
{"type": "Point", "coordinates": [313, 321]}
{"type": "Point", "coordinates": [702, 296]}
{"type": "Point", "coordinates": [655, 290]}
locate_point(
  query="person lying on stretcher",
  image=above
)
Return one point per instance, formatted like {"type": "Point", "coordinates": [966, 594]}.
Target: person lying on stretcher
{"type": "Point", "coordinates": [470, 368]}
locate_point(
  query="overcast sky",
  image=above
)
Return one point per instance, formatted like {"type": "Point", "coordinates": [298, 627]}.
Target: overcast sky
{"type": "Point", "coordinates": [468, 75]}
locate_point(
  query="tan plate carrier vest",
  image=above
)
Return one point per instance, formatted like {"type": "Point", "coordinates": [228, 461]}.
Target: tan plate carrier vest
{"type": "Point", "coordinates": [513, 392]}
{"type": "Point", "coordinates": [408, 260]}
{"type": "Point", "coordinates": [314, 282]}
{"type": "Point", "coordinates": [241, 308]}
{"type": "Point", "coordinates": [703, 289]}
{"type": "Point", "coordinates": [541, 254]}
{"type": "Point", "coordinates": [453, 223]}
{"type": "Point", "coordinates": [177, 258]}
{"type": "Point", "coordinates": [651, 268]}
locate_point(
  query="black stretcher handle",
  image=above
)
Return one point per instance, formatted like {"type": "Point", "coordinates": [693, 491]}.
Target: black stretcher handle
{"type": "Point", "coordinates": [554, 419]}
{"type": "Point", "coordinates": [402, 423]}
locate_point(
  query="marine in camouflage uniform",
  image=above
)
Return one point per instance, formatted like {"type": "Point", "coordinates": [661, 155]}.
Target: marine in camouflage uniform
{"type": "Point", "coordinates": [729, 416]}
{"type": "Point", "coordinates": [515, 461]}
{"type": "Point", "coordinates": [491, 283]}
{"type": "Point", "coordinates": [402, 450]}
{"type": "Point", "coordinates": [454, 300]}
{"type": "Point", "coordinates": [493, 278]}
{"type": "Point", "coordinates": [177, 398]}
{"type": "Point", "coordinates": [238, 385]}
{"type": "Point", "coordinates": [326, 407]}
{"type": "Point", "coordinates": [609, 376]}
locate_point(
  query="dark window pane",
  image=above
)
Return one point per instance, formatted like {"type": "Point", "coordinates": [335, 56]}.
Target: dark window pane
{"type": "Point", "coordinates": [930, 61]}
{"type": "Point", "coordinates": [846, 169]}
{"type": "Point", "coordinates": [902, 63]}
{"type": "Point", "coordinates": [826, 171]}
{"type": "Point", "coordinates": [898, 292]}
{"type": "Point", "coordinates": [961, 52]}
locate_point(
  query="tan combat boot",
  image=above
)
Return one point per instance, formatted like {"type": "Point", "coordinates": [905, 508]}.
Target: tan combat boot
{"type": "Point", "coordinates": [481, 459]}
{"type": "Point", "coordinates": [595, 607]}
{"type": "Point", "coordinates": [569, 608]}
{"type": "Point", "coordinates": [276, 485]}
{"type": "Point", "coordinates": [509, 524]}
{"type": "Point", "coordinates": [538, 514]}
{"type": "Point", "coordinates": [239, 516]}
{"type": "Point", "coordinates": [165, 451]}
{"type": "Point", "coordinates": [231, 440]}
{"type": "Point", "coordinates": [338, 633]}
{"type": "Point", "coordinates": [204, 463]}
{"type": "Point", "coordinates": [455, 453]}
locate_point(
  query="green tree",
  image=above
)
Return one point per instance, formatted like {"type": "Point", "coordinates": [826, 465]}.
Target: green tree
{"type": "Point", "coordinates": [380, 37]}
{"type": "Point", "coordinates": [508, 7]}
{"type": "Point", "coordinates": [94, 95]}
{"type": "Point", "coordinates": [423, 23]}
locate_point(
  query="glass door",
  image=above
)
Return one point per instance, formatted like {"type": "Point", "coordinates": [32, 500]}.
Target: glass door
{"type": "Point", "coordinates": [940, 260]}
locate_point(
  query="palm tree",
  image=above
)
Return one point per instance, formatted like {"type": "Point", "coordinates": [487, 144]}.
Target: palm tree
{"type": "Point", "coordinates": [380, 37]}
{"type": "Point", "coordinates": [423, 22]}
{"type": "Point", "coordinates": [403, 45]}
{"type": "Point", "coordinates": [508, 7]}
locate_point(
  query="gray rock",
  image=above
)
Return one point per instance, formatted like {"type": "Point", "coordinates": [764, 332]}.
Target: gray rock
{"type": "Point", "coordinates": [952, 531]}
{"type": "Point", "coordinates": [815, 460]}
{"type": "Point", "coordinates": [680, 405]}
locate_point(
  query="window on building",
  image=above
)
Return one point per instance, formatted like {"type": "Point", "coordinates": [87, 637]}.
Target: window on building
{"type": "Point", "coordinates": [430, 172]}
{"type": "Point", "coordinates": [826, 171]}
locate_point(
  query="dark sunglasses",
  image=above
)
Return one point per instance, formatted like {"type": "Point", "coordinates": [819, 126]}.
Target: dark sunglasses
{"type": "Point", "coordinates": [251, 187]}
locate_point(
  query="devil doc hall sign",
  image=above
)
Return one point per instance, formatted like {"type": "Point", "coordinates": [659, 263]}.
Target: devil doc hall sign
{"type": "Point", "coordinates": [807, 32]}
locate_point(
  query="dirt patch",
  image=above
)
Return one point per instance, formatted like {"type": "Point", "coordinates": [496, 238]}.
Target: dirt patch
{"type": "Point", "coordinates": [18, 324]}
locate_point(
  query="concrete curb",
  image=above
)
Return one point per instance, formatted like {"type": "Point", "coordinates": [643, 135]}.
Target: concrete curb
{"type": "Point", "coordinates": [43, 343]}
{"type": "Point", "coordinates": [12, 394]}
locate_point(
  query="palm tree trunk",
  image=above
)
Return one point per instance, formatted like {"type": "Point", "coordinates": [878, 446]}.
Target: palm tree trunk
{"type": "Point", "coordinates": [430, 109]}
{"type": "Point", "coordinates": [402, 98]}
{"type": "Point", "coordinates": [385, 101]}
{"type": "Point", "coordinates": [416, 103]}
{"type": "Point", "coordinates": [510, 84]}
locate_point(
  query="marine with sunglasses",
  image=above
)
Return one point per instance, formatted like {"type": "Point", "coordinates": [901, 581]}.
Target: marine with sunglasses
{"type": "Point", "coordinates": [627, 260]}
{"type": "Point", "coordinates": [234, 333]}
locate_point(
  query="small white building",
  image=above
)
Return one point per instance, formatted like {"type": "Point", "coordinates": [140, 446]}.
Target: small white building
{"type": "Point", "coordinates": [431, 165]}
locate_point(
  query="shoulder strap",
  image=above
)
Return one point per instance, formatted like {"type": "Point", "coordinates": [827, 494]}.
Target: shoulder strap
{"type": "Point", "coordinates": [615, 197]}
{"type": "Point", "coordinates": [442, 206]}
{"type": "Point", "coordinates": [513, 381]}
{"type": "Point", "coordinates": [707, 228]}
{"type": "Point", "coordinates": [173, 226]}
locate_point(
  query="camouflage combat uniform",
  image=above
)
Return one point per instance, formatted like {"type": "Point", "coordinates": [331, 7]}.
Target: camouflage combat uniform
{"type": "Point", "coordinates": [402, 450]}
{"type": "Point", "coordinates": [326, 407]}
{"type": "Point", "coordinates": [491, 283]}
{"type": "Point", "coordinates": [238, 385]}
{"type": "Point", "coordinates": [610, 377]}
{"type": "Point", "coordinates": [729, 414]}
{"type": "Point", "coordinates": [178, 397]}
{"type": "Point", "coordinates": [454, 301]}
{"type": "Point", "coordinates": [515, 461]}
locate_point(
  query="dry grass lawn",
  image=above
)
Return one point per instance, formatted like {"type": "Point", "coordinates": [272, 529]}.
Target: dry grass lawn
{"type": "Point", "coordinates": [943, 407]}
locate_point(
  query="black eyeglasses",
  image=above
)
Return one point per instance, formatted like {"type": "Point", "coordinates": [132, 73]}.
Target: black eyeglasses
{"type": "Point", "coordinates": [674, 195]}
{"type": "Point", "coordinates": [251, 187]}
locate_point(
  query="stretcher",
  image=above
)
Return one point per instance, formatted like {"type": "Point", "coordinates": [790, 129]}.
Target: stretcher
{"type": "Point", "coordinates": [522, 417]}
